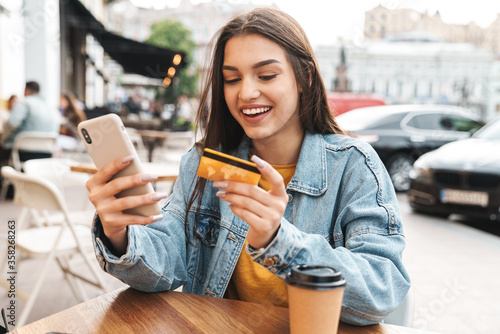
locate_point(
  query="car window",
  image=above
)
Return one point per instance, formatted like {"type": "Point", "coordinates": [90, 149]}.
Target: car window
{"type": "Point", "coordinates": [460, 123]}
{"type": "Point", "coordinates": [443, 122]}
{"type": "Point", "coordinates": [426, 122]}
{"type": "Point", "coordinates": [388, 122]}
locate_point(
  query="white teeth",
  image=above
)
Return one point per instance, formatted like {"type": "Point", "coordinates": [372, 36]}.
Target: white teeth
{"type": "Point", "coordinates": [255, 111]}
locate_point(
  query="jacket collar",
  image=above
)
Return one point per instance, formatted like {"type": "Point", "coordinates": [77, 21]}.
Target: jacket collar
{"type": "Point", "coordinates": [310, 175]}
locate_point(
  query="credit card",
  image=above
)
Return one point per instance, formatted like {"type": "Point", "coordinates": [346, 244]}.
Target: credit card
{"type": "Point", "coordinates": [217, 166]}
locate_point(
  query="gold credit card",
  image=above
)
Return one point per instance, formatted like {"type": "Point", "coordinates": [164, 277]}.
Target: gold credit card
{"type": "Point", "coordinates": [217, 166]}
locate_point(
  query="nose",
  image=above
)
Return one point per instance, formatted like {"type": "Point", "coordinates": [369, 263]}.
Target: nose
{"type": "Point", "coordinates": [249, 90]}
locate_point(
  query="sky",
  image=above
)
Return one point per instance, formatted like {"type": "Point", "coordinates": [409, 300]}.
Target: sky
{"type": "Point", "coordinates": [326, 20]}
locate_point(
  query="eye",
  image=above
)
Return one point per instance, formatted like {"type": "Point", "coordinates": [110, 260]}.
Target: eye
{"type": "Point", "coordinates": [268, 77]}
{"type": "Point", "coordinates": [231, 81]}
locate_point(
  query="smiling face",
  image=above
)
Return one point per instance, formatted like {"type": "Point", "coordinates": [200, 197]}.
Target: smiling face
{"type": "Point", "coordinates": [260, 89]}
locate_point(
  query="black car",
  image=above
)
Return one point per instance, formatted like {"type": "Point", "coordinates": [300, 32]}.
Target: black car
{"type": "Point", "coordinates": [462, 177]}
{"type": "Point", "coordinates": [400, 134]}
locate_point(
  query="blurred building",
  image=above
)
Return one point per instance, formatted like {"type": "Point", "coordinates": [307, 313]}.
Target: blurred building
{"type": "Point", "coordinates": [413, 57]}
{"type": "Point", "coordinates": [29, 47]}
{"type": "Point", "coordinates": [203, 20]}
{"type": "Point", "coordinates": [415, 68]}
{"type": "Point", "coordinates": [63, 45]}
{"type": "Point", "coordinates": [381, 22]}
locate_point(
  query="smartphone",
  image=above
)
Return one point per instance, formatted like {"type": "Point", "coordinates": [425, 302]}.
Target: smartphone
{"type": "Point", "coordinates": [106, 139]}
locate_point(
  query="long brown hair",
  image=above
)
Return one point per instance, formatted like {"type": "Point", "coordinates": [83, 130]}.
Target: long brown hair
{"type": "Point", "coordinates": [221, 130]}
{"type": "Point", "coordinates": [72, 112]}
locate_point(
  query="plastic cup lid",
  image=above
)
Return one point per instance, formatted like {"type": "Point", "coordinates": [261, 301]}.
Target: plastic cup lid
{"type": "Point", "coordinates": [315, 277]}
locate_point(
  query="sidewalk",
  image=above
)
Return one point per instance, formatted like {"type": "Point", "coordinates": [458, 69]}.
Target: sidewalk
{"type": "Point", "coordinates": [455, 272]}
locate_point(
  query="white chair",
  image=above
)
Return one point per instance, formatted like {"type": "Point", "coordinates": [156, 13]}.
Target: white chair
{"type": "Point", "coordinates": [64, 243]}
{"type": "Point", "coordinates": [71, 184]}
{"type": "Point", "coordinates": [40, 142]}
{"type": "Point", "coordinates": [43, 142]}
{"type": "Point", "coordinates": [403, 314]}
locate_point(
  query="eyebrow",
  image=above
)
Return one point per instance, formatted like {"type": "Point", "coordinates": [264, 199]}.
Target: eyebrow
{"type": "Point", "coordinates": [257, 65]}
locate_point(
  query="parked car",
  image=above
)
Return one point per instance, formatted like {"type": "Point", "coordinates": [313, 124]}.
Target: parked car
{"type": "Point", "coordinates": [400, 134]}
{"type": "Point", "coordinates": [461, 177]}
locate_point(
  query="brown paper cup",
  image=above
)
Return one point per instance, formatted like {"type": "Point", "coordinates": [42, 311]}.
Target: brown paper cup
{"type": "Point", "coordinates": [314, 299]}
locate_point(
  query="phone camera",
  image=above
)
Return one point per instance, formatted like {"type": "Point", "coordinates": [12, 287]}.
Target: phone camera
{"type": "Point", "coordinates": [86, 136]}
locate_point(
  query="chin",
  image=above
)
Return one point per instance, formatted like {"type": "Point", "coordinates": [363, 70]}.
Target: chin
{"type": "Point", "coordinates": [257, 135]}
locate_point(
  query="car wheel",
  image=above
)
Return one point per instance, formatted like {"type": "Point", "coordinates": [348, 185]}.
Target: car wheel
{"type": "Point", "coordinates": [399, 167]}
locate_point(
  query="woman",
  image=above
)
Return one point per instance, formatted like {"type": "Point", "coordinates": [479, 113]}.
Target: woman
{"type": "Point", "coordinates": [325, 198]}
{"type": "Point", "coordinates": [4, 114]}
{"type": "Point", "coordinates": [11, 103]}
{"type": "Point", "coordinates": [72, 115]}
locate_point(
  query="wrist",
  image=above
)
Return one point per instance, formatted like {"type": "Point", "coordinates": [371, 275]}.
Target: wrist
{"type": "Point", "coordinates": [265, 243]}
{"type": "Point", "coordinates": [118, 239]}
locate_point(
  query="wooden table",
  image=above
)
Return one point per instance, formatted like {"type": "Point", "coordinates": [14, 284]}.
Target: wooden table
{"type": "Point", "coordinates": [143, 124]}
{"type": "Point", "coordinates": [165, 172]}
{"type": "Point", "coordinates": [129, 311]}
{"type": "Point", "coordinates": [152, 139]}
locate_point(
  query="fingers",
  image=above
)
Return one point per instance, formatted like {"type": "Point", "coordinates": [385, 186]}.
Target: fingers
{"type": "Point", "coordinates": [113, 205]}
{"type": "Point", "coordinates": [115, 186]}
{"type": "Point", "coordinates": [107, 172]}
{"type": "Point", "coordinates": [103, 190]}
{"type": "Point", "coordinates": [100, 186]}
{"type": "Point", "coordinates": [260, 209]}
{"type": "Point", "coordinates": [270, 174]}
{"type": "Point", "coordinates": [249, 198]}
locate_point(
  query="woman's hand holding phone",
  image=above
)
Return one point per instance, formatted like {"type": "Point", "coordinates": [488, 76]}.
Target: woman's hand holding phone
{"type": "Point", "coordinates": [102, 193]}
{"type": "Point", "coordinates": [120, 190]}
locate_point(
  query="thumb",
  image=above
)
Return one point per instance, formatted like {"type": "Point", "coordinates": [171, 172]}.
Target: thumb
{"type": "Point", "coordinates": [270, 174]}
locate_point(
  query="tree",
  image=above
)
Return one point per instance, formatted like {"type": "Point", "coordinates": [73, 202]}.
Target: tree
{"type": "Point", "coordinates": [173, 35]}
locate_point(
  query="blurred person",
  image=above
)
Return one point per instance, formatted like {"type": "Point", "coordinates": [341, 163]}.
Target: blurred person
{"type": "Point", "coordinates": [131, 106]}
{"type": "Point", "coordinates": [32, 114]}
{"type": "Point", "coordinates": [184, 114]}
{"type": "Point", "coordinates": [4, 114]}
{"type": "Point", "coordinates": [13, 99]}
{"type": "Point", "coordinates": [72, 115]}
{"type": "Point", "coordinates": [157, 110]}
{"type": "Point", "coordinates": [324, 198]}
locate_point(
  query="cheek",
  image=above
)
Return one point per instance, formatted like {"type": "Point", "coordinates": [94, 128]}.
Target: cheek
{"type": "Point", "coordinates": [289, 98]}
{"type": "Point", "coordinates": [229, 97]}
{"type": "Point", "coordinates": [230, 102]}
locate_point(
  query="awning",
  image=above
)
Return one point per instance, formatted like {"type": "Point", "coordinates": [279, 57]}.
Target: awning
{"type": "Point", "coordinates": [135, 57]}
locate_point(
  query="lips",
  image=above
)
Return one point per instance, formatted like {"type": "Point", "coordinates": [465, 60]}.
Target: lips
{"type": "Point", "coordinates": [255, 115]}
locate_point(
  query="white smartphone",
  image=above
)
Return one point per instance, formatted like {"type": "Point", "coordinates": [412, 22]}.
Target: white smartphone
{"type": "Point", "coordinates": [106, 139]}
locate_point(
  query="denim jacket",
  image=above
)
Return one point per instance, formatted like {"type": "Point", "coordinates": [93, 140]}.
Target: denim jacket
{"type": "Point", "coordinates": [342, 212]}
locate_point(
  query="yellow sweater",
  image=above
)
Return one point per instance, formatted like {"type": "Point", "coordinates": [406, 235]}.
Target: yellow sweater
{"type": "Point", "coordinates": [253, 282]}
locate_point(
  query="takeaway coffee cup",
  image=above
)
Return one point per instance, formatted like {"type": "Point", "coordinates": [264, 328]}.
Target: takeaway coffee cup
{"type": "Point", "coordinates": [314, 299]}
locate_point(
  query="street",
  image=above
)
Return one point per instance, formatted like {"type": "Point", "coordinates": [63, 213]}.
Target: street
{"type": "Point", "coordinates": [454, 269]}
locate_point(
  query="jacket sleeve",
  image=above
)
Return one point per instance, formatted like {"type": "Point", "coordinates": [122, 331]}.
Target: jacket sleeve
{"type": "Point", "coordinates": [369, 254]}
{"type": "Point", "coordinates": [155, 259]}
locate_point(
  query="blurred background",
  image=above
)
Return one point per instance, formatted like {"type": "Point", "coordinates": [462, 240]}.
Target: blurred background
{"type": "Point", "coordinates": [401, 51]}
{"type": "Point", "coordinates": [421, 75]}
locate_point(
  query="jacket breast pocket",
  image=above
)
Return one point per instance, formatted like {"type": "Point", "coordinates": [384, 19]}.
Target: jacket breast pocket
{"type": "Point", "coordinates": [207, 233]}
{"type": "Point", "coordinates": [208, 230]}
